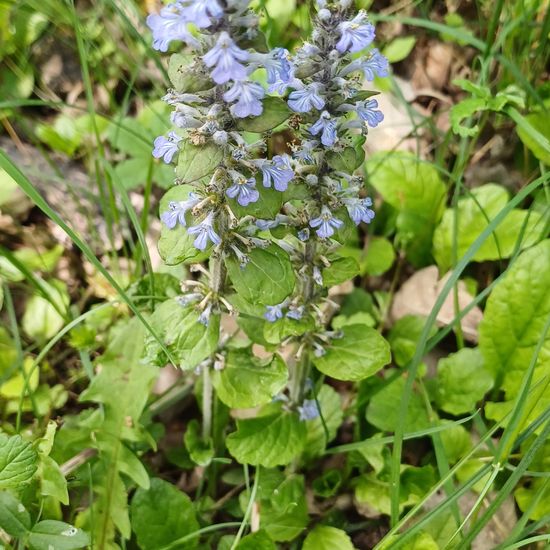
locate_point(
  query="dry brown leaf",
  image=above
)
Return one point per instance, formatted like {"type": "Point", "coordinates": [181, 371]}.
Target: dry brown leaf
{"type": "Point", "coordinates": [418, 295]}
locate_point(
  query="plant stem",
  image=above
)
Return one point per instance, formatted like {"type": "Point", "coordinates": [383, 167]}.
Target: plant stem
{"type": "Point", "coordinates": [206, 404]}
{"type": "Point", "coordinates": [303, 363]}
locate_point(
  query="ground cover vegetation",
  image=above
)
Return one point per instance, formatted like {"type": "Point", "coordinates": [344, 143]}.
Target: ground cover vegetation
{"type": "Point", "coordinates": [274, 274]}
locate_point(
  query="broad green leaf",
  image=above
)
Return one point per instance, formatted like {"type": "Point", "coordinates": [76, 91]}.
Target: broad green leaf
{"type": "Point", "coordinates": [360, 353]}
{"type": "Point", "coordinates": [266, 207]}
{"type": "Point", "coordinates": [268, 277]}
{"type": "Point", "coordinates": [539, 121]}
{"type": "Point", "coordinates": [196, 162]}
{"type": "Point", "coordinates": [324, 537]}
{"type": "Point", "coordinates": [41, 320]}
{"type": "Point", "coordinates": [183, 79]}
{"type": "Point", "coordinates": [247, 381]}
{"type": "Point", "coordinates": [373, 493]}
{"type": "Point", "coordinates": [259, 540]}
{"type": "Point", "coordinates": [399, 48]}
{"type": "Point", "coordinates": [275, 112]}
{"type": "Point", "coordinates": [343, 161]}
{"type": "Point", "coordinates": [15, 387]}
{"type": "Point", "coordinates": [404, 336]}
{"type": "Point", "coordinates": [131, 137]}
{"type": "Point", "coordinates": [463, 110]}
{"type": "Point", "coordinates": [462, 381]}
{"type": "Point", "coordinates": [330, 404]}
{"type": "Point", "coordinates": [187, 339]}
{"type": "Point", "coordinates": [200, 451]}
{"type": "Point", "coordinates": [271, 440]}
{"type": "Point", "coordinates": [379, 257]}
{"type": "Point", "coordinates": [122, 384]}
{"type": "Point", "coordinates": [283, 504]}
{"type": "Point", "coordinates": [474, 214]}
{"type": "Point", "coordinates": [383, 413]}
{"type": "Point", "coordinates": [340, 270]}
{"type": "Point", "coordinates": [48, 534]}
{"type": "Point", "coordinates": [176, 245]}
{"type": "Point", "coordinates": [416, 191]}
{"type": "Point", "coordinates": [525, 495]}
{"type": "Point", "coordinates": [52, 480]}
{"type": "Point", "coordinates": [516, 312]}
{"type": "Point", "coordinates": [162, 515]}
{"type": "Point", "coordinates": [456, 441]}
{"type": "Point", "coordinates": [18, 461]}
{"type": "Point", "coordinates": [275, 333]}
{"type": "Point", "coordinates": [15, 520]}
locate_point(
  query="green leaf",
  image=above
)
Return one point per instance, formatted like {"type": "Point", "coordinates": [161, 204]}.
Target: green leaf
{"type": "Point", "coordinates": [330, 404]}
{"type": "Point", "coordinates": [283, 504]}
{"type": "Point", "coordinates": [49, 534]}
{"type": "Point", "coordinates": [323, 537]}
{"type": "Point", "coordinates": [266, 207]}
{"type": "Point", "coordinates": [404, 337]}
{"type": "Point", "coordinates": [275, 333]}
{"type": "Point", "coordinates": [196, 162]}
{"type": "Point", "coordinates": [343, 161]}
{"type": "Point", "coordinates": [539, 121]}
{"type": "Point", "coordinates": [399, 48]}
{"type": "Point", "coordinates": [53, 482]}
{"type": "Point", "coordinates": [186, 338]}
{"type": "Point", "coordinates": [162, 515]}
{"type": "Point", "coordinates": [456, 441]}
{"type": "Point", "coordinates": [374, 493]}
{"type": "Point", "coordinates": [15, 520]}
{"type": "Point", "coordinates": [514, 318]}
{"type": "Point", "coordinates": [527, 493]}
{"type": "Point", "coordinates": [131, 137]}
{"type": "Point", "coordinates": [176, 245]}
{"type": "Point", "coordinates": [18, 461]}
{"type": "Point", "coordinates": [257, 541]}
{"type": "Point", "coordinates": [415, 189]}
{"type": "Point", "coordinates": [267, 279]}
{"type": "Point", "coordinates": [271, 440]}
{"type": "Point", "coordinates": [360, 353]}
{"type": "Point", "coordinates": [474, 214]}
{"type": "Point", "coordinates": [184, 76]}
{"type": "Point", "coordinates": [200, 451]}
{"type": "Point", "coordinates": [383, 413]}
{"type": "Point", "coordinates": [340, 270]}
{"type": "Point", "coordinates": [379, 257]}
{"type": "Point", "coordinates": [275, 112]}
{"type": "Point", "coordinates": [247, 381]}
{"type": "Point", "coordinates": [462, 381]}
{"type": "Point", "coordinates": [465, 109]}
{"type": "Point", "coordinates": [42, 319]}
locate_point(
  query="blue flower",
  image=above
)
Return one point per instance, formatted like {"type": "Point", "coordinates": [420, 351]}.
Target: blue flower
{"type": "Point", "coordinates": [375, 65]}
{"type": "Point", "coordinates": [308, 410]}
{"type": "Point", "coordinates": [204, 317]}
{"type": "Point", "coordinates": [367, 110]}
{"type": "Point", "coordinates": [170, 24]}
{"type": "Point", "coordinates": [295, 313]}
{"type": "Point", "coordinates": [273, 313]}
{"type": "Point", "coordinates": [305, 99]}
{"type": "Point", "coordinates": [326, 223]}
{"type": "Point", "coordinates": [359, 211]}
{"type": "Point", "coordinates": [305, 152]}
{"type": "Point", "coordinates": [278, 172]}
{"type": "Point", "coordinates": [199, 12]}
{"type": "Point", "coordinates": [166, 148]}
{"type": "Point", "coordinates": [277, 64]}
{"type": "Point", "coordinates": [176, 211]}
{"type": "Point", "coordinates": [327, 127]}
{"type": "Point", "coordinates": [204, 232]}
{"type": "Point", "coordinates": [249, 97]}
{"type": "Point", "coordinates": [356, 34]}
{"type": "Point", "coordinates": [243, 189]}
{"type": "Point", "coordinates": [226, 56]}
